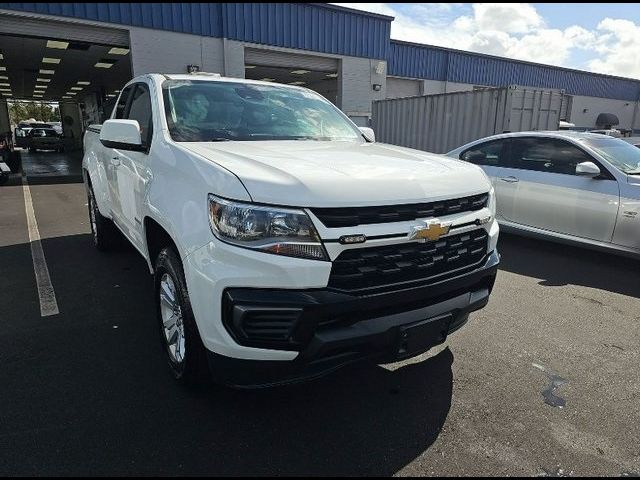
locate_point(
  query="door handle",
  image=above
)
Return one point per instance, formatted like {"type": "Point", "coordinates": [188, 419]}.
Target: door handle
{"type": "Point", "coordinates": [510, 179]}
{"type": "Point", "coordinates": [115, 161]}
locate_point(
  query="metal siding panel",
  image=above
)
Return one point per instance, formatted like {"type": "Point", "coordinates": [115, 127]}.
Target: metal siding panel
{"type": "Point", "coordinates": [431, 63]}
{"type": "Point", "coordinates": [439, 123]}
{"type": "Point", "coordinates": [304, 26]}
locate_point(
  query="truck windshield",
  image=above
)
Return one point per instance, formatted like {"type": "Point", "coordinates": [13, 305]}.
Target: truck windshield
{"type": "Point", "coordinates": [208, 111]}
{"type": "Point", "coordinates": [622, 155]}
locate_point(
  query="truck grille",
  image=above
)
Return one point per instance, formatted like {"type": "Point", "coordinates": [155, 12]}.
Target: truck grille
{"type": "Point", "coordinates": [394, 265]}
{"type": "Point", "coordinates": [354, 216]}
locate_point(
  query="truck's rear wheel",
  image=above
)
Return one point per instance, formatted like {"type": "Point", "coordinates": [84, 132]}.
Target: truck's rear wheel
{"type": "Point", "coordinates": [178, 331]}
{"type": "Point", "coordinates": [105, 235]}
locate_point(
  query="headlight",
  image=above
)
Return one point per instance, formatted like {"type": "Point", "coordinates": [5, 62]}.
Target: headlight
{"type": "Point", "coordinates": [492, 202]}
{"type": "Point", "coordinates": [276, 230]}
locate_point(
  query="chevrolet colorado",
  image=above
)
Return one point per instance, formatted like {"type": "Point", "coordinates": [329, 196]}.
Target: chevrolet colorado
{"type": "Point", "coordinates": [283, 240]}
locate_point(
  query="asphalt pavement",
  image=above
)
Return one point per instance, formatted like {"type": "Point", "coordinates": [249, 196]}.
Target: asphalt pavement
{"type": "Point", "coordinates": [543, 381]}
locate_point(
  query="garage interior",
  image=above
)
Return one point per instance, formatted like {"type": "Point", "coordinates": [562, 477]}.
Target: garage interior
{"type": "Point", "coordinates": [80, 67]}
{"type": "Point", "coordinates": [77, 67]}
{"type": "Point", "coordinates": [315, 72]}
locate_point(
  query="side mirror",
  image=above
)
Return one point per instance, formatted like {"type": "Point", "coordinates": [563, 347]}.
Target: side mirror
{"type": "Point", "coordinates": [122, 134]}
{"type": "Point", "coordinates": [368, 133]}
{"type": "Point", "coordinates": [587, 169]}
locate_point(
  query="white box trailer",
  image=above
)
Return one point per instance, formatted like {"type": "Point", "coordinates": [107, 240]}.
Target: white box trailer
{"type": "Point", "coordinates": [439, 123]}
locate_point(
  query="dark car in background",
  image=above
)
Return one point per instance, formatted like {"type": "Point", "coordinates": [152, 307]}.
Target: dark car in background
{"type": "Point", "coordinates": [45, 139]}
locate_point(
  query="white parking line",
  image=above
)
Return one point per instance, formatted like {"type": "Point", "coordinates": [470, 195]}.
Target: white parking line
{"type": "Point", "coordinates": [48, 302]}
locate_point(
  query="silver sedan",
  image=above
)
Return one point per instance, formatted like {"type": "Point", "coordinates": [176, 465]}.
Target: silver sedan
{"type": "Point", "coordinates": [567, 186]}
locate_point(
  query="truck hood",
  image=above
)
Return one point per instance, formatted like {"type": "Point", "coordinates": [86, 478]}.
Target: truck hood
{"type": "Point", "coordinates": [341, 174]}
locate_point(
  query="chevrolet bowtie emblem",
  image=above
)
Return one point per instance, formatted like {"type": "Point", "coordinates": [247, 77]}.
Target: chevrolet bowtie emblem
{"type": "Point", "coordinates": [432, 231]}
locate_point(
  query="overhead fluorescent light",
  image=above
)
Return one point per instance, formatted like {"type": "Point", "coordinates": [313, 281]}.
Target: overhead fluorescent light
{"type": "Point", "coordinates": [5, 90]}
{"type": "Point", "coordinates": [118, 51]}
{"type": "Point", "coordinates": [111, 95]}
{"type": "Point", "coordinates": [46, 80]}
{"type": "Point", "coordinates": [3, 69]}
{"type": "Point", "coordinates": [37, 96]}
{"type": "Point", "coordinates": [47, 72]}
{"type": "Point", "coordinates": [41, 86]}
{"type": "Point", "coordinates": [72, 93]}
{"type": "Point", "coordinates": [297, 83]}
{"type": "Point", "coordinates": [249, 66]}
{"type": "Point", "coordinates": [1, 56]}
{"type": "Point", "coordinates": [50, 60]}
{"type": "Point", "coordinates": [300, 72]}
{"type": "Point", "coordinates": [76, 88]}
{"type": "Point", "coordinates": [67, 96]}
{"type": "Point", "coordinates": [5, 84]}
{"type": "Point", "coordinates": [4, 77]}
{"type": "Point", "coordinates": [57, 44]}
{"type": "Point", "coordinates": [105, 63]}
{"type": "Point", "coordinates": [267, 79]}
{"type": "Point", "coordinates": [84, 83]}
{"type": "Point", "coordinates": [331, 75]}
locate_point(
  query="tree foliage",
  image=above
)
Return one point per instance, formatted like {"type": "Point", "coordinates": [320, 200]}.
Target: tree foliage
{"type": "Point", "coordinates": [43, 112]}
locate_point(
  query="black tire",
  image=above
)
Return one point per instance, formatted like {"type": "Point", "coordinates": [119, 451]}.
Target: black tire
{"type": "Point", "coordinates": [193, 369]}
{"type": "Point", "coordinates": [103, 231]}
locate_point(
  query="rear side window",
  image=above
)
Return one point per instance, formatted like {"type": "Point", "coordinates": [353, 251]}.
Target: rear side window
{"type": "Point", "coordinates": [122, 102]}
{"type": "Point", "coordinates": [490, 153]}
{"type": "Point", "coordinates": [140, 110]}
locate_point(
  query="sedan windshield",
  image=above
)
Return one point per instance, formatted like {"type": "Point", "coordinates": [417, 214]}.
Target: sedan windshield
{"type": "Point", "coordinates": [622, 155]}
{"type": "Point", "coordinates": [210, 111]}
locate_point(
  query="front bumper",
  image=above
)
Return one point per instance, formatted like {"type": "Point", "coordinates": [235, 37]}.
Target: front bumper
{"type": "Point", "coordinates": [331, 329]}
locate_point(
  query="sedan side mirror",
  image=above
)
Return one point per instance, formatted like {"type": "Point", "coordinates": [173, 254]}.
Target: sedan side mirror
{"type": "Point", "coordinates": [587, 169]}
{"type": "Point", "coordinates": [368, 134]}
{"type": "Point", "coordinates": [122, 134]}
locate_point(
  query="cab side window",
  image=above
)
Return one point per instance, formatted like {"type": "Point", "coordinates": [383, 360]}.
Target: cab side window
{"type": "Point", "coordinates": [490, 153]}
{"type": "Point", "coordinates": [140, 110]}
{"type": "Point", "coordinates": [121, 107]}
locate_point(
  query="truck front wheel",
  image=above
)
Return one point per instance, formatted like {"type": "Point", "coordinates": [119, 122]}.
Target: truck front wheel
{"type": "Point", "coordinates": [178, 330]}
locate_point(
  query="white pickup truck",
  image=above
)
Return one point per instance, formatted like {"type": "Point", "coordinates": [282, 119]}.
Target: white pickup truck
{"type": "Point", "coordinates": [284, 242]}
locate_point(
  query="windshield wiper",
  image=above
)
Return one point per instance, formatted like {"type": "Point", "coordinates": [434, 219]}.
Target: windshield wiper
{"type": "Point", "coordinates": [220, 139]}
{"type": "Point", "coordinates": [633, 172]}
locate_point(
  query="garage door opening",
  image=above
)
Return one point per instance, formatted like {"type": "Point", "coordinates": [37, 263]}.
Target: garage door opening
{"type": "Point", "coordinates": [315, 72]}
{"type": "Point", "coordinates": [76, 67]}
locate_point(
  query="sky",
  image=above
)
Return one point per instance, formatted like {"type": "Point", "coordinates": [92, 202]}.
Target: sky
{"type": "Point", "coordinates": [602, 38]}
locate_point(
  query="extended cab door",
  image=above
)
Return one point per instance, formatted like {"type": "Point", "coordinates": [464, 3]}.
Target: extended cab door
{"type": "Point", "coordinates": [110, 160]}
{"type": "Point", "coordinates": [131, 168]}
{"type": "Point", "coordinates": [493, 157]}
{"type": "Point", "coordinates": [549, 195]}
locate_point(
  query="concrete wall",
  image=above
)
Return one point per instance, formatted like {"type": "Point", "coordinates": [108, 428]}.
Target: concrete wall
{"type": "Point", "coordinates": [355, 87]}
{"type": "Point", "coordinates": [169, 52]}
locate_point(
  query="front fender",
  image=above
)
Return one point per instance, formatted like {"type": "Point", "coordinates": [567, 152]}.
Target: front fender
{"type": "Point", "coordinates": [94, 174]}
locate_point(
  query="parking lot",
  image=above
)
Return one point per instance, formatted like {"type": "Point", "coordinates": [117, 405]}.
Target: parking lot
{"type": "Point", "coordinates": [544, 381]}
